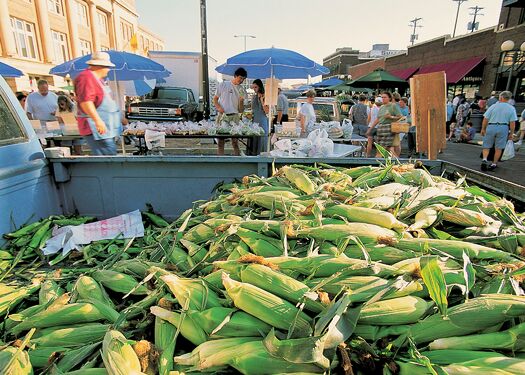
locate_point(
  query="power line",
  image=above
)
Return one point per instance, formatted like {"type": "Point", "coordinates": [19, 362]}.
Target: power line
{"type": "Point", "coordinates": [457, 14]}
{"type": "Point", "coordinates": [413, 24]}
{"type": "Point", "coordinates": [476, 13]}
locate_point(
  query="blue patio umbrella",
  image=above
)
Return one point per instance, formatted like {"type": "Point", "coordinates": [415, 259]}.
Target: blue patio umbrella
{"type": "Point", "coordinates": [328, 82]}
{"type": "Point", "coordinates": [273, 63]}
{"type": "Point", "coordinates": [138, 87]}
{"type": "Point", "coordinates": [9, 71]}
{"type": "Point", "coordinates": [128, 67]}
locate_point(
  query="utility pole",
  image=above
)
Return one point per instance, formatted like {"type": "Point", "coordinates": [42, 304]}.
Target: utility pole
{"type": "Point", "coordinates": [457, 15]}
{"type": "Point", "coordinates": [204, 52]}
{"type": "Point", "coordinates": [245, 37]}
{"type": "Point", "coordinates": [476, 11]}
{"type": "Point", "coordinates": [413, 23]}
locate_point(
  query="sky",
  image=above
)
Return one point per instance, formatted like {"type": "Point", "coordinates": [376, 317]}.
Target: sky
{"type": "Point", "coordinates": [314, 28]}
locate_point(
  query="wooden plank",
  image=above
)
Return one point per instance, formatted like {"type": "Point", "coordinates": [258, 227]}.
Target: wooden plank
{"type": "Point", "coordinates": [428, 108]}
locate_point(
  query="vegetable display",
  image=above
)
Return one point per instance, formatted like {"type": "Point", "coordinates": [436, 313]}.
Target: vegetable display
{"type": "Point", "coordinates": [317, 269]}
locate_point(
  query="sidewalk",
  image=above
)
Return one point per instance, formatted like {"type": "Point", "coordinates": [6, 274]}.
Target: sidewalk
{"type": "Point", "coordinates": [467, 155]}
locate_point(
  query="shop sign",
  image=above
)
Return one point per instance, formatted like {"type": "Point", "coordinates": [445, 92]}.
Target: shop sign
{"type": "Point", "coordinates": [472, 79]}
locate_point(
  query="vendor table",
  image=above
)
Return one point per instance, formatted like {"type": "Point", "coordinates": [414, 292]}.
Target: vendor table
{"type": "Point", "coordinates": [358, 142]}
{"type": "Point", "coordinates": [143, 150]}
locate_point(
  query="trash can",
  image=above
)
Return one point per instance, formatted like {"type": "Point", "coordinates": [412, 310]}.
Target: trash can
{"type": "Point", "coordinates": [477, 119]}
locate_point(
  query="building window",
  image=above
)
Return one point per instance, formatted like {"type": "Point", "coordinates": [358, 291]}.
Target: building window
{"type": "Point", "coordinates": [104, 48]}
{"type": "Point", "coordinates": [25, 38]}
{"type": "Point", "coordinates": [85, 47]}
{"type": "Point", "coordinates": [82, 14]}
{"type": "Point", "coordinates": [102, 20]}
{"type": "Point", "coordinates": [55, 6]}
{"type": "Point", "coordinates": [127, 32]}
{"type": "Point", "coordinates": [60, 46]}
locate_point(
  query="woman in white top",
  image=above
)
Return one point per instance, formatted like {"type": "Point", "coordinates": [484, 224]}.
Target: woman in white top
{"type": "Point", "coordinates": [306, 114]}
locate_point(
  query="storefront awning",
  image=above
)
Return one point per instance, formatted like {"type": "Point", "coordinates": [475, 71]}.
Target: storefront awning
{"type": "Point", "coordinates": [404, 73]}
{"type": "Point", "coordinates": [455, 71]}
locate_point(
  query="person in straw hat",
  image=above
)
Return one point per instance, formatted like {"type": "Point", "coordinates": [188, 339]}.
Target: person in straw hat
{"type": "Point", "coordinates": [98, 114]}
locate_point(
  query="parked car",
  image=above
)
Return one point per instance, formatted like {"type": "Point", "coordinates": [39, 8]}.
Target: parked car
{"type": "Point", "coordinates": [326, 109]}
{"type": "Point", "coordinates": [166, 104]}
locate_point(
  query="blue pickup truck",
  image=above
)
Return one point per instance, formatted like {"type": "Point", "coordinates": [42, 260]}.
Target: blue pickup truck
{"type": "Point", "coordinates": [33, 186]}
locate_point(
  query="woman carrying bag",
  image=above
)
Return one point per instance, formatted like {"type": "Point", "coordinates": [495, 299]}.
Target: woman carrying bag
{"type": "Point", "coordinates": [388, 113]}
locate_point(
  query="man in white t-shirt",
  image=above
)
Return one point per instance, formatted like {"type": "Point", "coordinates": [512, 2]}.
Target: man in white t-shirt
{"type": "Point", "coordinates": [42, 104]}
{"type": "Point", "coordinates": [306, 115]}
{"type": "Point", "coordinates": [229, 101]}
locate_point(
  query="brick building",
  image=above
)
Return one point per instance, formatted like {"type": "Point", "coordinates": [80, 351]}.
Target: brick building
{"type": "Point", "coordinates": [36, 35]}
{"type": "Point", "coordinates": [473, 62]}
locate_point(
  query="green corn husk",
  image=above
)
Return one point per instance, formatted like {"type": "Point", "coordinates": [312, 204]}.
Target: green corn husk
{"type": "Point", "coordinates": [446, 357]}
{"type": "Point", "coordinates": [465, 218]}
{"type": "Point", "coordinates": [275, 200]}
{"type": "Point", "coordinates": [14, 361]}
{"type": "Point", "coordinates": [76, 357]}
{"type": "Point", "coordinates": [40, 357]}
{"type": "Point", "coordinates": [489, 310]}
{"type": "Point", "coordinates": [374, 333]}
{"type": "Point", "coordinates": [365, 215]}
{"type": "Point", "coordinates": [136, 266]}
{"type": "Point", "coordinates": [88, 371]}
{"type": "Point", "coordinates": [454, 248]}
{"type": "Point", "coordinates": [281, 285]}
{"type": "Point", "coordinates": [180, 258]}
{"type": "Point", "coordinates": [9, 301]}
{"type": "Point", "coordinates": [396, 311]}
{"type": "Point", "coordinates": [191, 293]}
{"type": "Point", "coordinates": [71, 337]}
{"type": "Point", "coordinates": [207, 356]}
{"type": "Point", "coordinates": [367, 233]}
{"type": "Point", "coordinates": [327, 265]}
{"type": "Point", "coordinates": [68, 314]}
{"type": "Point", "coordinates": [425, 218]}
{"type": "Point", "coordinates": [490, 365]}
{"type": "Point", "coordinates": [223, 322]}
{"type": "Point", "coordinates": [49, 291]}
{"type": "Point", "coordinates": [118, 355]}
{"type": "Point", "coordinates": [266, 227]}
{"type": "Point", "coordinates": [267, 307]}
{"type": "Point", "coordinates": [88, 288]}
{"type": "Point", "coordinates": [189, 329]}
{"type": "Point", "coordinates": [165, 341]}
{"type": "Point", "coordinates": [511, 339]}
{"type": "Point", "coordinates": [119, 282]}
{"type": "Point", "coordinates": [299, 179]}
{"type": "Point", "coordinates": [260, 244]}
{"type": "Point", "coordinates": [252, 358]}
{"type": "Point", "coordinates": [379, 253]}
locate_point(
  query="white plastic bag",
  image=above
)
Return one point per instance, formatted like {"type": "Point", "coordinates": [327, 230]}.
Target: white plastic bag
{"type": "Point", "coordinates": [348, 128]}
{"type": "Point", "coordinates": [508, 153]}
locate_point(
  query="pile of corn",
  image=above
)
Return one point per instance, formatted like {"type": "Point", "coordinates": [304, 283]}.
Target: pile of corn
{"type": "Point", "coordinates": [368, 270]}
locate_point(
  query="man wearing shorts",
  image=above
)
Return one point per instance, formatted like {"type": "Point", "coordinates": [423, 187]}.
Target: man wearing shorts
{"type": "Point", "coordinates": [229, 101]}
{"type": "Point", "coordinates": [497, 127]}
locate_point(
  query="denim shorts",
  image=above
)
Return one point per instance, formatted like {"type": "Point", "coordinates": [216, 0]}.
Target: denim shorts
{"type": "Point", "coordinates": [496, 136]}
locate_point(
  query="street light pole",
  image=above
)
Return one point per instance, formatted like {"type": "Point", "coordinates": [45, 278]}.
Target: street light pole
{"type": "Point", "coordinates": [506, 47]}
{"type": "Point", "coordinates": [244, 36]}
{"type": "Point", "coordinates": [457, 15]}
{"type": "Point", "coordinates": [204, 51]}
{"type": "Point", "coordinates": [413, 23]}
{"type": "Point", "coordinates": [476, 11]}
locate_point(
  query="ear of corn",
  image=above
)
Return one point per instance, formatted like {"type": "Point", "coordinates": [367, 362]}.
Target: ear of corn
{"type": "Point", "coordinates": [261, 244]}
{"type": "Point", "coordinates": [275, 200]}
{"type": "Point", "coordinates": [165, 341]}
{"type": "Point", "coordinates": [68, 314]}
{"type": "Point", "coordinates": [70, 337]}
{"type": "Point", "coordinates": [49, 291]}
{"type": "Point", "coordinates": [15, 361]}
{"type": "Point", "coordinates": [119, 282]}
{"type": "Point", "coordinates": [446, 357]}
{"type": "Point", "coordinates": [253, 358]}
{"type": "Point", "coordinates": [76, 357]}
{"type": "Point", "coordinates": [489, 365]}
{"type": "Point", "coordinates": [280, 284]}
{"type": "Point", "coordinates": [11, 299]}
{"type": "Point", "coordinates": [299, 179]}
{"type": "Point", "coordinates": [88, 288]}
{"type": "Point", "coordinates": [495, 308]}
{"type": "Point", "coordinates": [367, 233]}
{"type": "Point", "coordinates": [219, 322]}
{"type": "Point", "coordinates": [365, 215]}
{"type": "Point", "coordinates": [511, 339]}
{"type": "Point", "coordinates": [378, 253]}
{"type": "Point", "coordinates": [466, 218]}
{"type": "Point", "coordinates": [267, 307]}
{"type": "Point", "coordinates": [212, 355]}
{"type": "Point", "coordinates": [425, 218]}
{"type": "Point", "coordinates": [39, 357]}
{"type": "Point", "coordinates": [191, 293]}
{"type": "Point", "coordinates": [118, 355]}
{"type": "Point", "coordinates": [183, 322]}
{"type": "Point", "coordinates": [396, 311]}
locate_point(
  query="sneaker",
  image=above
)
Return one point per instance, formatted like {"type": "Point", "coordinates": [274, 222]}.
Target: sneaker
{"type": "Point", "coordinates": [484, 165]}
{"type": "Point", "coordinates": [492, 167]}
